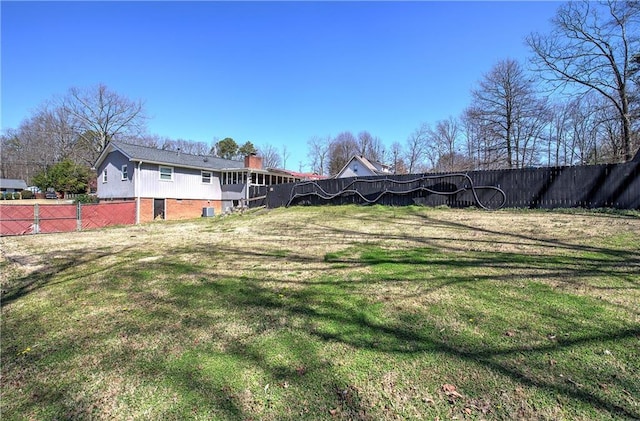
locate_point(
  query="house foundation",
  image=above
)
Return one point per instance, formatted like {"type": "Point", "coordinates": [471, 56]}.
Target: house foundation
{"type": "Point", "coordinates": [175, 209]}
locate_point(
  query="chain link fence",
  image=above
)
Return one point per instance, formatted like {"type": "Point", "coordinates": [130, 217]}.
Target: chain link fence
{"type": "Point", "coordinates": [41, 219]}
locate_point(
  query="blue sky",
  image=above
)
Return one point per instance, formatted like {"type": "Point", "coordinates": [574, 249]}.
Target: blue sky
{"type": "Point", "coordinates": [270, 72]}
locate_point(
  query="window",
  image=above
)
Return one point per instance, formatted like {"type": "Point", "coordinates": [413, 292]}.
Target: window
{"type": "Point", "coordinates": [166, 173]}
{"type": "Point", "coordinates": [234, 177]}
{"type": "Point", "coordinates": [104, 176]}
{"type": "Point", "coordinates": [206, 177]}
{"type": "Point", "coordinates": [125, 172]}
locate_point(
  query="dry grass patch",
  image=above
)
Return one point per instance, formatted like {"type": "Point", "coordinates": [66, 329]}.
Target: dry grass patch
{"type": "Point", "coordinates": [324, 313]}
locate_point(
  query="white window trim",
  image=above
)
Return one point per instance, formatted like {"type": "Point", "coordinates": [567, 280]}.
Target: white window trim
{"type": "Point", "coordinates": [202, 173]}
{"type": "Point", "coordinates": [160, 167]}
{"type": "Point", "coordinates": [124, 171]}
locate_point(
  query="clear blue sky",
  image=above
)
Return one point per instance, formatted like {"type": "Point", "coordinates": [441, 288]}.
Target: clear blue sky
{"type": "Point", "coordinates": [270, 72]}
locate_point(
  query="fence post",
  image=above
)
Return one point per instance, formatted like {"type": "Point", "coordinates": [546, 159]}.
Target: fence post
{"type": "Point", "coordinates": [79, 216]}
{"type": "Point", "coordinates": [36, 219]}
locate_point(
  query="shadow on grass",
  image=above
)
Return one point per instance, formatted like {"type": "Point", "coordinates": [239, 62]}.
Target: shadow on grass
{"type": "Point", "coordinates": [284, 331]}
{"type": "Point", "coordinates": [515, 239]}
{"type": "Point", "coordinates": [54, 268]}
{"type": "Point", "coordinates": [350, 320]}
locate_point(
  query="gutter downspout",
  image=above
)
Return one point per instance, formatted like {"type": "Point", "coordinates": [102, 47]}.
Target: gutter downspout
{"type": "Point", "coordinates": [137, 192]}
{"type": "Point", "coordinates": [248, 188]}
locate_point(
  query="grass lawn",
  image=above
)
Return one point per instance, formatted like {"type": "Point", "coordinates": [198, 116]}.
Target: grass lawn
{"type": "Point", "coordinates": [359, 313]}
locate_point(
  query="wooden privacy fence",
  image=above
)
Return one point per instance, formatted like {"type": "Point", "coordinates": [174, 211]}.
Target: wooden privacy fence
{"type": "Point", "coordinates": [35, 219]}
{"type": "Point", "coordinates": [590, 186]}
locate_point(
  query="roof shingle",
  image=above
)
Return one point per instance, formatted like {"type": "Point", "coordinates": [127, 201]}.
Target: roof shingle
{"type": "Point", "coordinates": [160, 156]}
{"type": "Point", "coordinates": [12, 183]}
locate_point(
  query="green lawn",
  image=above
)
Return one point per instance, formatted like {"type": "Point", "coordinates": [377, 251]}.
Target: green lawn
{"type": "Point", "coordinates": [362, 313]}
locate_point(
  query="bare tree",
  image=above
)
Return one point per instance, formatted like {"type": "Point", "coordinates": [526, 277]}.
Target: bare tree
{"type": "Point", "coordinates": [507, 110]}
{"type": "Point", "coordinates": [101, 115]}
{"type": "Point", "coordinates": [191, 147]}
{"type": "Point", "coordinates": [342, 148]}
{"type": "Point", "coordinates": [557, 134]}
{"type": "Point", "coordinates": [591, 47]}
{"type": "Point", "coordinates": [12, 157]}
{"type": "Point", "coordinates": [443, 145]}
{"type": "Point", "coordinates": [317, 153]}
{"type": "Point", "coordinates": [416, 148]}
{"type": "Point", "coordinates": [38, 143]}
{"type": "Point", "coordinates": [56, 126]}
{"type": "Point", "coordinates": [484, 148]}
{"type": "Point", "coordinates": [532, 118]}
{"type": "Point", "coordinates": [581, 146]}
{"type": "Point", "coordinates": [635, 99]}
{"type": "Point", "coordinates": [635, 69]}
{"type": "Point", "coordinates": [396, 157]}
{"type": "Point", "coordinates": [213, 146]}
{"type": "Point", "coordinates": [270, 156]}
{"type": "Point", "coordinates": [370, 147]}
{"type": "Point", "coordinates": [472, 138]}
{"type": "Point", "coordinates": [74, 127]}
{"type": "Point", "coordinates": [285, 156]}
{"type": "Point", "coordinates": [608, 142]}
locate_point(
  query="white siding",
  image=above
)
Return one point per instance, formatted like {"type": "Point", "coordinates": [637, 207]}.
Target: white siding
{"type": "Point", "coordinates": [355, 169]}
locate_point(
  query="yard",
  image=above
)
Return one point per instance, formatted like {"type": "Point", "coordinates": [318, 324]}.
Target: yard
{"type": "Point", "coordinates": [346, 312]}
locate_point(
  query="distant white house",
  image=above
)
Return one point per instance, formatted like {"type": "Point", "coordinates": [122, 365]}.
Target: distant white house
{"type": "Point", "coordinates": [12, 185]}
{"type": "Point", "coordinates": [359, 166]}
{"type": "Point", "coordinates": [34, 189]}
{"type": "Point", "coordinates": [173, 185]}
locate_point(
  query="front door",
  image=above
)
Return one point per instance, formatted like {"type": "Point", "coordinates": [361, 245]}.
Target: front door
{"type": "Point", "coordinates": [158, 208]}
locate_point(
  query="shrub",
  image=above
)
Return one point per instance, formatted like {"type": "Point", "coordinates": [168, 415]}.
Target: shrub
{"type": "Point", "coordinates": [27, 194]}
{"type": "Point", "coordinates": [66, 176]}
{"type": "Point", "coordinates": [86, 198]}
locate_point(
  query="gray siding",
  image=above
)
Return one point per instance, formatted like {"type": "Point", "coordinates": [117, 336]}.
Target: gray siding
{"type": "Point", "coordinates": [234, 191]}
{"type": "Point", "coordinates": [186, 184]}
{"type": "Point", "coordinates": [115, 187]}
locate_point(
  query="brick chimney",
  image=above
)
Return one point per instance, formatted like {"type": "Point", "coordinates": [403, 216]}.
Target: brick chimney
{"type": "Point", "coordinates": [253, 161]}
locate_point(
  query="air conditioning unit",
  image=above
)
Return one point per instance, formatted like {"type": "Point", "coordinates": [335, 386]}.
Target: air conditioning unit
{"type": "Point", "coordinates": [208, 212]}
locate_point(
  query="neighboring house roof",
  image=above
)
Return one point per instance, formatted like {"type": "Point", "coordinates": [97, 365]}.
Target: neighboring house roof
{"type": "Point", "coordinates": [374, 167]}
{"type": "Point", "coordinates": [300, 175]}
{"type": "Point", "coordinates": [12, 183]}
{"type": "Point", "coordinates": [379, 167]}
{"type": "Point", "coordinates": [146, 154]}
